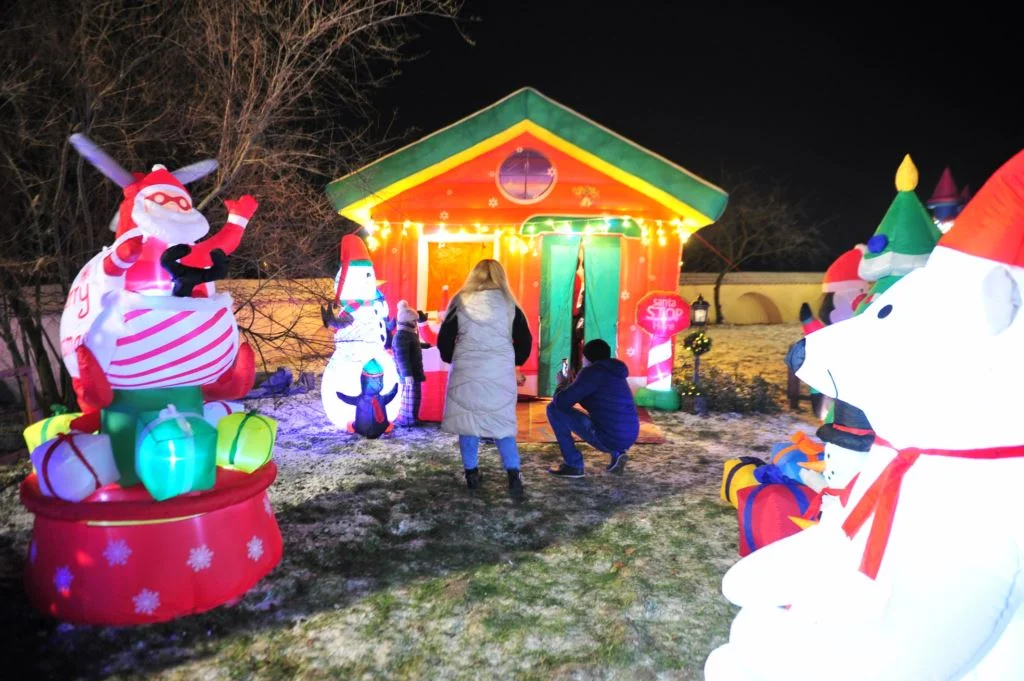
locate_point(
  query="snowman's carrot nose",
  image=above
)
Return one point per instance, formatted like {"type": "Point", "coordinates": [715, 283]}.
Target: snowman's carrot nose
{"type": "Point", "coordinates": [816, 466]}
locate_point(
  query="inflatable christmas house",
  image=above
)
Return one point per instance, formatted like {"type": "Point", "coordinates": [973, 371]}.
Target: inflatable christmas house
{"type": "Point", "coordinates": [545, 191]}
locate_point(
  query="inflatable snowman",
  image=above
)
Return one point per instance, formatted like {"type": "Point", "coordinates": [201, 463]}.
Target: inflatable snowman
{"type": "Point", "coordinates": [360, 333]}
{"type": "Point", "coordinates": [847, 438]}
{"type": "Point", "coordinates": [921, 572]}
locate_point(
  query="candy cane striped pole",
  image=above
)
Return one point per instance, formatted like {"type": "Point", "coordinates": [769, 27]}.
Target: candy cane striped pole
{"type": "Point", "coordinates": [659, 364]}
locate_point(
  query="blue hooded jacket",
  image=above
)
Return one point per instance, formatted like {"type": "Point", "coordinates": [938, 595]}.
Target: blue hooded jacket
{"type": "Point", "coordinates": [602, 390]}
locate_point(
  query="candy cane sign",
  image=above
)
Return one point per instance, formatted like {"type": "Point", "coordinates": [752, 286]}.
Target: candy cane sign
{"type": "Point", "coordinates": [661, 314]}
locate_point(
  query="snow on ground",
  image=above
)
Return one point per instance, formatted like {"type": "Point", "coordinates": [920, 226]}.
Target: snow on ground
{"type": "Point", "coordinates": [393, 570]}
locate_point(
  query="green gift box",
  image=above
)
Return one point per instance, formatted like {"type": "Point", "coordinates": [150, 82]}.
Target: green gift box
{"type": "Point", "coordinates": [175, 452]}
{"type": "Point", "coordinates": [245, 441]}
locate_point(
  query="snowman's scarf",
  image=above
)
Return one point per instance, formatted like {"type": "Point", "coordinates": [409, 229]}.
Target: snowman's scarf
{"type": "Point", "coordinates": [881, 497]}
{"type": "Point", "coordinates": [351, 305]}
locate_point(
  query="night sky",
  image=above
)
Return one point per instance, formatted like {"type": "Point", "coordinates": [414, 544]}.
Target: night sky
{"type": "Point", "coordinates": [827, 101]}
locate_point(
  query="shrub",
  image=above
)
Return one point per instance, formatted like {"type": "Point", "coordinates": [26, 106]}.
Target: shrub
{"type": "Point", "coordinates": [733, 393]}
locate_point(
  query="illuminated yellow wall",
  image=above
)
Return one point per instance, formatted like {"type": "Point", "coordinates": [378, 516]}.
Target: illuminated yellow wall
{"type": "Point", "coordinates": [757, 297]}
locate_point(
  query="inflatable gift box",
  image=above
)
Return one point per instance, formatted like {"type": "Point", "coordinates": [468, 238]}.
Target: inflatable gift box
{"type": "Point", "coordinates": [800, 449]}
{"type": "Point", "coordinates": [74, 465]}
{"type": "Point", "coordinates": [175, 453]}
{"type": "Point", "coordinates": [41, 431]}
{"type": "Point", "coordinates": [213, 412]}
{"type": "Point", "coordinates": [738, 474]}
{"type": "Point", "coordinates": [765, 512]}
{"type": "Point", "coordinates": [245, 441]}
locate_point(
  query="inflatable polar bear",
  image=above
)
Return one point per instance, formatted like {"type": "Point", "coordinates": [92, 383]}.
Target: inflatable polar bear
{"type": "Point", "coordinates": [930, 589]}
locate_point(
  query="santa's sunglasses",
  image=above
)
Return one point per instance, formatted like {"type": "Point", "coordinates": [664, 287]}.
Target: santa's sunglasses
{"type": "Point", "coordinates": [160, 199]}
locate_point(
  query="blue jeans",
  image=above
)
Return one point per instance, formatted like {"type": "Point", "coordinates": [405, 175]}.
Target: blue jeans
{"type": "Point", "coordinates": [469, 447]}
{"type": "Point", "coordinates": [565, 422]}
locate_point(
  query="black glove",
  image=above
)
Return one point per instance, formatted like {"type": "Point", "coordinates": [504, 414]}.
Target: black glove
{"type": "Point", "coordinates": [421, 315]}
{"type": "Point", "coordinates": [187, 278]}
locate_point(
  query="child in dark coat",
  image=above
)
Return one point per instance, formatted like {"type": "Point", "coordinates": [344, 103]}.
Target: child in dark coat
{"type": "Point", "coordinates": [409, 361]}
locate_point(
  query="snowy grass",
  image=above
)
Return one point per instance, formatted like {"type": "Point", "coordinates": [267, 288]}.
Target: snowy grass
{"type": "Point", "coordinates": [393, 570]}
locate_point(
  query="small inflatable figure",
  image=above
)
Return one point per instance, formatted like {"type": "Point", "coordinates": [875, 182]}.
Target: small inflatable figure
{"type": "Point", "coordinates": [371, 418]}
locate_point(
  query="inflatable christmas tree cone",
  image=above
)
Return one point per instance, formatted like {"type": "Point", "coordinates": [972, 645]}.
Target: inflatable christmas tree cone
{"type": "Point", "coordinates": [945, 202]}
{"type": "Point", "coordinates": [904, 239]}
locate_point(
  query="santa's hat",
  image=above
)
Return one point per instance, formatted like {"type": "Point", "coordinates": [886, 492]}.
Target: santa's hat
{"type": "Point", "coordinates": [849, 429]}
{"type": "Point", "coordinates": [842, 275]}
{"type": "Point", "coordinates": [158, 180]}
{"type": "Point", "coordinates": [992, 224]}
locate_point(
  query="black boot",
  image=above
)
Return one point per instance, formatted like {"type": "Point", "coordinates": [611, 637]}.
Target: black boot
{"type": "Point", "coordinates": [515, 484]}
{"type": "Point", "coordinates": [473, 478]}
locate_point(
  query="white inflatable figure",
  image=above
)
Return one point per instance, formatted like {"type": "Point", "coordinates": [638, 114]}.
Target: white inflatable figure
{"type": "Point", "coordinates": [360, 333]}
{"type": "Point", "coordinates": [930, 589]}
{"type": "Point", "coordinates": [847, 439]}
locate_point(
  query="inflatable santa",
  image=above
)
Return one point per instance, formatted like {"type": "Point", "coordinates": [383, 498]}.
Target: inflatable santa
{"type": "Point", "coordinates": [151, 346]}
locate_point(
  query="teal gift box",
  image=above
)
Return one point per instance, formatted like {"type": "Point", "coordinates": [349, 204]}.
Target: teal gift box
{"type": "Point", "coordinates": [175, 452]}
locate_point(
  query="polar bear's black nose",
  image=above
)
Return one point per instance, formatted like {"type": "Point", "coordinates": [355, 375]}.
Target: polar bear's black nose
{"type": "Point", "coordinates": [795, 356]}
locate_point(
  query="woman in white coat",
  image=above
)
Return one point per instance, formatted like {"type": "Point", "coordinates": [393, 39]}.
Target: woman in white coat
{"type": "Point", "coordinates": [484, 336]}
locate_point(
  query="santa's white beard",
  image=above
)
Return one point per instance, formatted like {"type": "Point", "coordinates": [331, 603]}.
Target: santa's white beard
{"type": "Point", "coordinates": [169, 226]}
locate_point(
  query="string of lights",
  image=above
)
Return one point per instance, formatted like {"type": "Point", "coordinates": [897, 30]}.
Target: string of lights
{"type": "Point", "coordinates": [522, 235]}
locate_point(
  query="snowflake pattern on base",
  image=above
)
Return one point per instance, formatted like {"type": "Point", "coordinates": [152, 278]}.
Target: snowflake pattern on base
{"type": "Point", "coordinates": [254, 548]}
{"type": "Point", "coordinates": [199, 558]}
{"type": "Point", "coordinates": [117, 552]}
{"type": "Point", "coordinates": [146, 602]}
{"type": "Point", "coordinates": [62, 578]}
{"type": "Point", "coordinates": [266, 505]}
{"type": "Point", "coordinates": [492, 202]}
{"type": "Point", "coordinates": [625, 295]}
{"type": "Point", "coordinates": [444, 215]}
{"type": "Point", "coordinates": [631, 352]}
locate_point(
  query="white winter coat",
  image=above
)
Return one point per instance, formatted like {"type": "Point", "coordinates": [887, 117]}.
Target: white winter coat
{"type": "Point", "coordinates": [482, 388]}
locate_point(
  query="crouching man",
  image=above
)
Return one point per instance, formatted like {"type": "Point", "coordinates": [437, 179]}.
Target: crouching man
{"type": "Point", "coordinates": [611, 424]}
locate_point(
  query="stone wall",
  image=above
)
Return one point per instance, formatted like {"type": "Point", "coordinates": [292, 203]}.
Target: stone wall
{"type": "Point", "coordinates": [757, 297]}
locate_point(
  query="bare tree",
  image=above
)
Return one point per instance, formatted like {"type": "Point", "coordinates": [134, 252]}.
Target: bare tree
{"type": "Point", "coordinates": [761, 227]}
{"type": "Point", "coordinates": [278, 91]}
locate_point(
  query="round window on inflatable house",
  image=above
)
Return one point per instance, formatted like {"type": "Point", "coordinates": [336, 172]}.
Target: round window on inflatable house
{"type": "Point", "coordinates": [526, 176]}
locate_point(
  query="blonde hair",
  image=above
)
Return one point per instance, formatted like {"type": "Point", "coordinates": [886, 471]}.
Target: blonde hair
{"type": "Point", "coordinates": [486, 275]}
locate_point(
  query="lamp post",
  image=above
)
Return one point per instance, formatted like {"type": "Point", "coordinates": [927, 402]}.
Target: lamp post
{"type": "Point", "coordinates": [699, 319]}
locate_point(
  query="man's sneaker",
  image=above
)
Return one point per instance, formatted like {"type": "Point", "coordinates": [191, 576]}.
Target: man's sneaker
{"type": "Point", "coordinates": [473, 478]}
{"type": "Point", "coordinates": [564, 471]}
{"type": "Point", "coordinates": [515, 484]}
{"type": "Point", "coordinates": [618, 463]}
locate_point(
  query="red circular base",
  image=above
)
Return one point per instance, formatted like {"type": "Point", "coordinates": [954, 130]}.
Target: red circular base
{"type": "Point", "coordinates": [119, 557]}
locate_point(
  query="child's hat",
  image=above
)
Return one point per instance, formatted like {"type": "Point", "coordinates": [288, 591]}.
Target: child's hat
{"type": "Point", "coordinates": [405, 313]}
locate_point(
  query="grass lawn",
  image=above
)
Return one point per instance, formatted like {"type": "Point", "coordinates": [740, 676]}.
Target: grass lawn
{"type": "Point", "coordinates": [393, 570]}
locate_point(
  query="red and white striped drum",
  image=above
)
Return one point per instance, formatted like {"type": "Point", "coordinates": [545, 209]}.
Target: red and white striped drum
{"type": "Point", "coordinates": [144, 342]}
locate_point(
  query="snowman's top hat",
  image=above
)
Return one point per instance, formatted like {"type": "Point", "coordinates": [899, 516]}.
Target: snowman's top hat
{"type": "Point", "coordinates": [850, 429]}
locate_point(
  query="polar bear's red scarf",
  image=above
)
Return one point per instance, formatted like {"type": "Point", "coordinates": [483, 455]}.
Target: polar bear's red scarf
{"type": "Point", "coordinates": [882, 496]}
